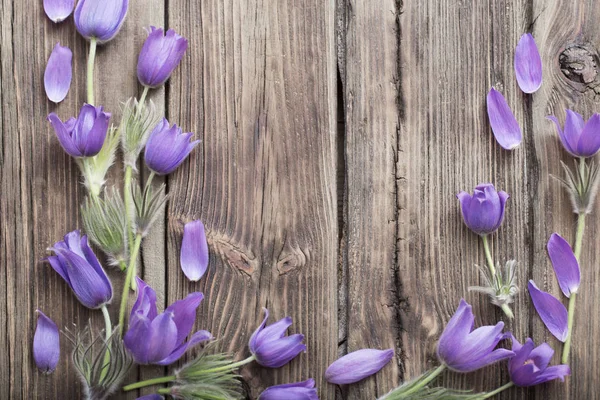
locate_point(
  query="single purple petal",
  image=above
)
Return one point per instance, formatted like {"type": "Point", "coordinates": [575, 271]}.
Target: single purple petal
{"type": "Point", "coordinates": [58, 10]}
{"type": "Point", "coordinates": [552, 312]}
{"type": "Point", "coordinates": [196, 338]}
{"type": "Point", "coordinates": [564, 263]}
{"type": "Point", "coordinates": [64, 135]}
{"type": "Point", "coordinates": [252, 343]}
{"type": "Point", "coordinates": [504, 124]}
{"type": "Point", "coordinates": [542, 355]}
{"type": "Point", "coordinates": [58, 74]}
{"type": "Point", "coordinates": [274, 331]}
{"type": "Point", "coordinates": [574, 124]}
{"type": "Point", "coordinates": [162, 338]}
{"type": "Point", "coordinates": [291, 391]}
{"type": "Point", "coordinates": [146, 300]}
{"type": "Point", "coordinates": [184, 314]}
{"type": "Point", "coordinates": [194, 251]}
{"type": "Point", "coordinates": [528, 64]}
{"type": "Point", "coordinates": [552, 373]}
{"type": "Point", "coordinates": [136, 338]}
{"type": "Point", "coordinates": [59, 265]}
{"type": "Point", "coordinates": [357, 365]}
{"type": "Point", "coordinates": [457, 328]}
{"type": "Point", "coordinates": [481, 341]}
{"type": "Point", "coordinates": [521, 352]}
{"type": "Point", "coordinates": [562, 136]}
{"type": "Point", "coordinates": [46, 344]}
{"type": "Point", "coordinates": [478, 363]}
{"type": "Point", "coordinates": [589, 140]}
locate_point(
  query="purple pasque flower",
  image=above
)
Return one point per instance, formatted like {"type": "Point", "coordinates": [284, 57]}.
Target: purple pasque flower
{"type": "Point", "coordinates": [565, 264]}
{"type": "Point", "coordinates": [58, 74]}
{"type": "Point", "coordinates": [77, 264]}
{"type": "Point", "coordinates": [84, 136]}
{"type": "Point", "coordinates": [552, 312]}
{"type": "Point", "coordinates": [579, 138]}
{"type": "Point", "coordinates": [291, 391]}
{"type": "Point", "coordinates": [483, 211]}
{"type": "Point", "coordinates": [154, 338]}
{"type": "Point", "coordinates": [528, 64]}
{"type": "Point", "coordinates": [153, 396]}
{"type": "Point", "coordinates": [464, 350]}
{"type": "Point", "coordinates": [194, 251]}
{"type": "Point", "coordinates": [100, 19]}
{"type": "Point", "coordinates": [269, 345]}
{"type": "Point", "coordinates": [46, 344]}
{"type": "Point", "coordinates": [160, 55]}
{"type": "Point", "coordinates": [167, 148]}
{"type": "Point", "coordinates": [529, 366]}
{"type": "Point", "coordinates": [502, 120]}
{"type": "Point", "coordinates": [58, 10]}
{"type": "Point", "coordinates": [358, 365]}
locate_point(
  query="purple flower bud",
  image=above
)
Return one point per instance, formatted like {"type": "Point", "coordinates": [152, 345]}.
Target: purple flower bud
{"type": "Point", "coordinates": [194, 251]}
{"type": "Point", "coordinates": [271, 347]}
{"type": "Point", "coordinates": [528, 64]}
{"type": "Point", "coordinates": [565, 264]}
{"type": "Point", "coordinates": [46, 344]}
{"type": "Point", "coordinates": [502, 120]}
{"type": "Point", "coordinates": [464, 350]}
{"type": "Point", "coordinates": [58, 74]}
{"type": "Point", "coordinates": [101, 19]}
{"type": "Point", "coordinates": [58, 10]}
{"type": "Point", "coordinates": [483, 212]}
{"type": "Point", "coordinates": [167, 148]}
{"type": "Point", "coordinates": [529, 366]}
{"type": "Point", "coordinates": [291, 391]}
{"type": "Point", "coordinates": [151, 397]}
{"type": "Point", "coordinates": [358, 365]}
{"type": "Point", "coordinates": [84, 136]}
{"type": "Point", "coordinates": [160, 55]}
{"type": "Point", "coordinates": [160, 339]}
{"type": "Point", "coordinates": [579, 138]}
{"type": "Point", "coordinates": [77, 264]}
{"type": "Point", "coordinates": [552, 312]}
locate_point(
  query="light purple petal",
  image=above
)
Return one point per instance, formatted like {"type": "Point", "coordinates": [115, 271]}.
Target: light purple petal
{"type": "Point", "coordinates": [521, 353]}
{"type": "Point", "coordinates": [184, 314]}
{"type": "Point", "coordinates": [574, 124]}
{"type": "Point", "coordinates": [197, 338]}
{"type": "Point", "coordinates": [552, 373]}
{"type": "Point", "coordinates": [358, 365]}
{"type": "Point", "coordinates": [542, 355]}
{"type": "Point", "coordinates": [552, 312]}
{"type": "Point", "coordinates": [64, 135]}
{"type": "Point", "coordinates": [478, 363]}
{"type": "Point", "coordinates": [159, 56]}
{"type": "Point", "coordinates": [291, 391]}
{"type": "Point", "coordinates": [252, 343]}
{"type": "Point", "coordinates": [58, 74]}
{"type": "Point", "coordinates": [146, 300]}
{"type": "Point", "coordinates": [162, 338]}
{"type": "Point", "coordinates": [589, 140]}
{"type": "Point", "coordinates": [46, 344]}
{"type": "Point", "coordinates": [274, 331]}
{"type": "Point", "coordinates": [564, 263]}
{"type": "Point", "coordinates": [194, 251]}
{"type": "Point", "coordinates": [277, 353]}
{"type": "Point", "coordinates": [528, 64]}
{"type": "Point", "coordinates": [58, 10]}
{"type": "Point", "coordinates": [154, 396]}
{"type": "Point", "coordinates": [504, 125]}
{"type": "Point", "coordinates": [136, 338]}
{"type": "Point", "coordinates": [101, 19]}
{"type": "Point", "coordinates": [457, 329]}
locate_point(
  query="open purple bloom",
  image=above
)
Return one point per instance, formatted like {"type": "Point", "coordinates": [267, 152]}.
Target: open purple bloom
{"type": "Point", "coordinates": [167, 148]}
{"type": "Point", "coordinates": [160, 339]}
{"type": "Point", "coordinates": [528, 64]}
{"type": "Point", "coordinates": [291, 391]}
{"type": "Point", "coordinates": [502, 120]}
{"type": "Point", "coordinates": [579, 138]}
{"type": "Point", "coordinates": [464, 350]}
{"type": "Point", "coordinates": [194, 251]}
{"type": "Point", "coordinates": [529, 366]}
{"type": "Point", "coordinates": [160, 55]}
{"type": "Point", "coordinates": [58, 74]}
{"type": "Point", "coordinates": [58, 10]}
{"type": "Point", "coordinates": [84, 136]}
{"type": "Point", "coordinates": [46, 344]}
{"type": "Point", "coordinates": [271, 347]}
{"type": "Point", "coordinates": [77, 264]}
{"type": "Point", "coordinates": [101, 19]}
{"type": "Point", "coordinates": [358, 365]}
{"type": "Point", "coordinates": [552, 312]}
{"type": "Point", "coordinates": [565, 264]}
{"type": "Point", "coordinates": [483, 212]}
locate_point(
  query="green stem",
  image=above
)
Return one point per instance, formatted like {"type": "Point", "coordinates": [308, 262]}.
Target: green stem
{"type": "Point", "coordinates": [130, 272]}
{"type": "Point", "coordinates": [149, 382]}
{"type": "Point", "coordinates": [128, 204]}
{"type": "Point", "coordinates": [122, 265]}
{"type": "Point", "coordinates": [579, 235]}
{"type": "Point", "coordinates": [507, 311]}
{"type": "Point", "coordinates": [107, 334]}
{"type": "Point", "coordinates": [228, 367]}
{"type": "Point", "coordinates": [90, 71]}
{"type": "Point", "coordinates": [164, 391]}
{"type": "Point", "coordinates": [150, 178]}
{"type": "Point", "coordinates": [500, 389]}
{"type": "Point", "coordinates": [488, 255]}
{"type": "Point", "coordinates": [143, 98]}
{"type": "Point", "coordinates": [567, 345]}
{"type": "Point", "coordinates": [425, 381]}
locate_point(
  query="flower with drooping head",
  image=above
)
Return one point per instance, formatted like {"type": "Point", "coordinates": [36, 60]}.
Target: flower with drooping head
{"type": "Point", "coordinates": [46, 344]}
{"type": "Point", "coordinates": [358, 365]}
{"type": "Point", "coordinates": [167, 148]}
{"type": "Point", "coordinates": [58, 74]}
{"type": "Point", "coordinates": [291, 391]}
{"type": "Point", "coordinates": [77, 264]}
{"type": "Point", "coordinates": [269, 345]}
{"type": "Point", "coordinates": [483, 211]}
{"type": "Point", "coordinates": [84, 136]}
{"type": "Point", "coordinates": [552, 312]}
{"type": "Point", "coordinates": [160, 55]}
{"type": "Point", "coordinates": [529, 366]}
{"type": "Point", "coordinates": [579, 138]}
{"type": "Point", "coordinates": [154, 338]}
{"type": "Point", "coordinates": [194, 251]}
{"type": "Point", "coordinates": [464, 350]}
{"type": "Point", "coordinates": [58, 10]}
{"type": "Point", "coordinates": [100, 19]}
{"type": "Point", "coordinates": [565, 264]}
{"type": "Point", "coordinates": [504, 125]}
{"type": "Point", "coordinates": [528, 64]}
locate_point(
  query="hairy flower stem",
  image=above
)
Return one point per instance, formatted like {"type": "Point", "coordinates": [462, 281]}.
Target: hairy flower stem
{"type": "Point", "coordinates": [143, 97]}
{"type": "Point", "coordinates": [500, 389]}
{"type": "Point", "coordinates": [149, 382]}
{"type": "Point", "coordinates": [229, 367]}
{"type": "Point", "coordinates": [127, 195]}
{"type": "Point", "coordinates": [90, 71]}
{"type": "Point", "coordinates": [425, 381]}
{"type": "Point", "coordinates": [130, 272]}
{"type": "Point", "coordinates": [107, 334]}
{"type": "Point", "coordinates": [488, 255]}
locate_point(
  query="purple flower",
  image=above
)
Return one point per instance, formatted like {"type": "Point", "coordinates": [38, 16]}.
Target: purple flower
{"type": "Point", "coordinates": [155, 338]}
{"type": "Point", "coordinates": [565, 264]}
{"type": "Point", "coordinates": [291, 391]}
{"type": "Point", "coordinates": [271, 347]}
{"type": "Point", "coordinates": [358, 365]}
{"type": "Point", "coordinates": [579, 138]}
{"type": "Point", "coordinates": [58, 74]}
{"type": "Point", "coordinates": [160, 55]}
{"type": "Point", "coordinates": [151, 397]}
{"type": "Point", "coordinates": [46, 344]}
{"type": "Point", "coordinates": [528, 64]}
{"type": "Point", "coordinates": [552, 312]}
{"type": "Point", "coordinates": [77, 264]}
{"type": "Point", "coordinates": [84, 136]}
{"type": "Point", "coordinates": [58, 10]}
{"type": "Point", "coordinates": [483, 212]}
{"type": "Point", "coordinates": [167, 148]}
{"type": "Point", "coordinates": [529, 366]}
{"type": "Point", "coordinates": [504, 125]}
{"type": "Point", "coordinates": [100, 19]}
{"type": "Point", "coordinates": [465, 351]}
{"type": "Point", "coordinates": [194, 251]}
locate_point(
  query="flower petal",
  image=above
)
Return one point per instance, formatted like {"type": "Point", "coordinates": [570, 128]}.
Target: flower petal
{"type": "Point", "coordinates": [198, 337]}
{"type": "Point", "coordinates": [491, 358]}
{"type": "Point", "coordinates": [46, 344]}
{"type": "Point", "coordinates": [564, 263]}
{"type": "Point", "coordinates": [101, 19]}
{"type": "Point", "coordinates": [146, 300]}
{"type": "Point", "coordinates": [184, 314]}
{"type": "Point", "coordinates": [552, 373]}
{"type": "Point", "coordinates": [136, 338]}
{"type": "Point", "coordinates": [357, 365]}
{"type": "Point", "coordinates": [504, 124]}
{"type": "Point", "coordinates": [291, 391]}
{"type": "Point", "coordinates": [58, 74]}
{"type": "Point", "coordinates": [528, 64]}
{"type": "Point", "coordinates": [162, 338]}
{"type": "Point", "coordinates": [154, 396]}
{"type": "Point", "coordinates": [457, 328]}
{"type": "Point", "coordinates": [252, 343]}
{"type": "Point", "coordinates": [542, 355]}
{"type": "Point", "coordinates": [589, 140]}
{"type": "Point", "coordinates": [275, 354]}
{"type": "Point", "coordinates": [552, 312]}
{"type": "Point", "coordinates": [58, 10]}
{"type": "Point", "coordinates": [64, 135]}
{"type": "Point", "coordinates": [194, 251]}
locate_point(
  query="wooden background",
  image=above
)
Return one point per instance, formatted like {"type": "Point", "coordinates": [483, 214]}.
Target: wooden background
{"type": "Point", "coordinates": [335, 136]}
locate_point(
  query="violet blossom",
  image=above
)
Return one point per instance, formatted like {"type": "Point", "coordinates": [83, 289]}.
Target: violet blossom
{"type": "Point", "coordinates": [100, 19]}
{"type": "Point", "coordinates": [167, 148]}
{"type": "Point", "coordinates": [358, 365]}
{"type": "Point", "coordinates": [552, 312]}
{"type": "Point", "coordinates": [580, 138]}
{"type": "Point", "coordinates": [159, 56]}
{"type": "Point", "coordinates": [483, 211]}
{"type": "Point", "coordinates": [529, 366]}
{"type": "Point", "coordinates": [504, 125]}
{"type": "Point", "coordinates": [46, 344]}
{"type": "Point", "coordinates": [528, 64]}
{"type": "Point", "coordinates": [291, 391]}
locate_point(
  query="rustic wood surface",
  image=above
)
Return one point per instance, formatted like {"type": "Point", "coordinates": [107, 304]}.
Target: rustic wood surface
{"type": "Point", "coordinates": [335, 136]}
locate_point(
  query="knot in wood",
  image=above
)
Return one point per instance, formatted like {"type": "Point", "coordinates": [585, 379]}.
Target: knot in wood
{"type": "Point", "coordinates": [233, 255]}
{"type": "Point", "coordinates": [579, 64]}
{"type": "Point", "coordinates": [290, 261]}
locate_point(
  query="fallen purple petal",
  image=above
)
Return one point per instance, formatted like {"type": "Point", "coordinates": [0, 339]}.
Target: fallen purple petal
{"type": "Point", "coordinates": [528, 64]}
{"type": "Point", "coordinates": [502, 120]}
{"type": "Point", "coordinates": [58, 74]}
{"type": "Point", "coordinates": [552, 312]}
